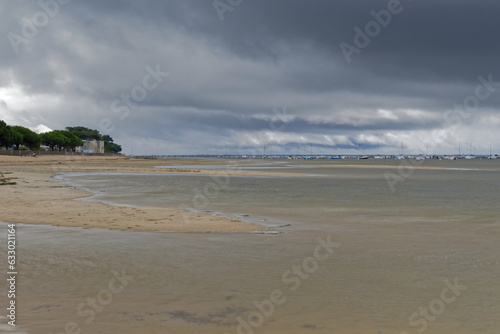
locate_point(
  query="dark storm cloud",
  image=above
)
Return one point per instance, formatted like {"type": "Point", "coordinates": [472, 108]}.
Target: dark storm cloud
{"type": "Point", "coordinates": [226, 77]}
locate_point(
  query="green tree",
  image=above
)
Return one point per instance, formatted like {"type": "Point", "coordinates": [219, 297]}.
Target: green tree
{"type": "Point", "coordinates": [112, 147]}
{"type": "Point", "coordinates": [107, 138]}
{"type": "Point", "coordinates": [73, 140]}
{"type": "Point", "coordinates": [85, 133]}
{"type": "Point", "coordinates": [30, 138]}
{"type": "Point", "coordinates": [53, 139]}
{"type": "Point", "coordinates": [16, 138]}
{"type": "Point", "coordinates": [4, 134]}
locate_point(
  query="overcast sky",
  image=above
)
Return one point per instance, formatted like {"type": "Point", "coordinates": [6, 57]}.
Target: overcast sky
{"type": "Point", "coordinates": [198, 76]}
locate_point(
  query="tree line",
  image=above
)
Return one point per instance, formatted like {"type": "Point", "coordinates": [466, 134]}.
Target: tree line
{"type": "Point", "coordinates": [22, 138]}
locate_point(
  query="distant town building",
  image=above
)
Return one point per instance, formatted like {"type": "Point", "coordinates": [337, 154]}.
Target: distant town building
{"type": "Point", "coordinates": [91, 146]}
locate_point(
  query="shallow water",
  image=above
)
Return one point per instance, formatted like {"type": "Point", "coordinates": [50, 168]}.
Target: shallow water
{"type": "Point", "coordinates": [395, 251]}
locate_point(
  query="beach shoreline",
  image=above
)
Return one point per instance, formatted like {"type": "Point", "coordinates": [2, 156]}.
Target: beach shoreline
{"type": "Point", "coordinates": [39, 198]}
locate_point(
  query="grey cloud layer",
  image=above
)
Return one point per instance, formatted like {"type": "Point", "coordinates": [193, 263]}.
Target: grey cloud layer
{"type": "Point", "coordinates": [226, 77]}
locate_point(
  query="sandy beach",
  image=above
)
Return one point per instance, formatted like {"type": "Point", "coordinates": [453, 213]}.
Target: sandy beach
{"type": "Point", "coordinates": [397, 248]}
{"type": "Point", "coordinates": [30, 193]}
{"type": "Point", "coordinates": [37, 198]}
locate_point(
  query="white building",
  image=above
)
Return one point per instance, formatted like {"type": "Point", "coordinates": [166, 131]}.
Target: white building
{"type": "Point", "coordinates": [91, 146]}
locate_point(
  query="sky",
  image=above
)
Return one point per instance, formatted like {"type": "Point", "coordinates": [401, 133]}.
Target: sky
{"type": "Point", "coordinates": [255, 76]}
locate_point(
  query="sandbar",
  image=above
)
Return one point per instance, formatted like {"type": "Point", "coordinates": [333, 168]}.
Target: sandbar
{"type": "Point", "coordinates": [38, 198]}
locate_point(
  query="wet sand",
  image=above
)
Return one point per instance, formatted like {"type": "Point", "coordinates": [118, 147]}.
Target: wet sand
{"type": "Point", "coordinates": [397, 251]}
{"type": "Point", "coordinates": [37, 198]}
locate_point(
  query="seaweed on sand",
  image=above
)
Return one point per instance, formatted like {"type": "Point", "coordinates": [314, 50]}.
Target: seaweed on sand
{"type": "Point", "coordinates": [6, 181]}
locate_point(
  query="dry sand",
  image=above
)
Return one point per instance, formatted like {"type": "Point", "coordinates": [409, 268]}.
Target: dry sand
{"type": "Point", "coordinates": [37, 198]}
